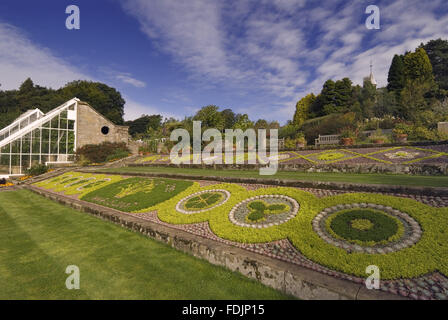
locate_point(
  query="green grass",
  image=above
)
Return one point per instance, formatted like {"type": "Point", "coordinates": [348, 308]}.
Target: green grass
{"type": "Point", "coordinates": [383, 227]}
{"type": "Point", "coordinates": [40, 238]}
{"type": "Point", "coordinates": [388, 179]}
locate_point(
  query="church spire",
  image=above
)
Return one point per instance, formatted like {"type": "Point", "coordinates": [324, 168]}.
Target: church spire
{"type": "Point", "coordinates": [372, 78]}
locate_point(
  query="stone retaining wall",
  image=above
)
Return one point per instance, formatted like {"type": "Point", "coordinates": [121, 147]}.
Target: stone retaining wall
{"type": "Point", "coordinates": [285, 277]}
{"type": "Point", "coordinates": [414, 169]}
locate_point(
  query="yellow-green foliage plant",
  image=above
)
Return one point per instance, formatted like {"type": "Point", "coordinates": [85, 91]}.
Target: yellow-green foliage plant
{"type": "Point", "coordinates": [149, 159]}
{"type": "Point", "coordinates": [135, 193]}
{"type": "Point", "coordinates": [78, 183]}
{"type": "Point", "coordinates": [429, 254]}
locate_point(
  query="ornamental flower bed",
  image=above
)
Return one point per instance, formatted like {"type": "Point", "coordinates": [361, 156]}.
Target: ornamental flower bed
{"type": "Point", "coordinates": [5, 184]}
{"type": "Point", "coordinates": [339, 235]}
{"type": "Point", "coordinates": [389, 155]}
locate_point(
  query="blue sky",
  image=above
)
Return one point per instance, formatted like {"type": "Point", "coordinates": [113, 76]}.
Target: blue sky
{"type": "Point", "coordinates": [173, 57]}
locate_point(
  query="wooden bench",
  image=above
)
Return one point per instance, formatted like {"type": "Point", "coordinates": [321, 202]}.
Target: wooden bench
{"type": "Point", "coordinates": [329, 139]}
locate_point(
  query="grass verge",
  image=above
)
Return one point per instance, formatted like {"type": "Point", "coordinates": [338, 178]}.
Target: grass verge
{"type": "Point", "coordinates": [40, 238]}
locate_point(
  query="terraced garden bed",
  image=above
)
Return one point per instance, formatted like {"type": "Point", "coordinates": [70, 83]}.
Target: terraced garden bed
{"type": "Point", "coordinates": [389, 155]}
{"type": "Point", "coordinates": [338, 235]}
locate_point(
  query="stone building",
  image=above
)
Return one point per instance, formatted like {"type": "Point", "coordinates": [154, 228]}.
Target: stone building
{"type": "Point", "coordinates": [54, 137]}
{"type": "Point", "coordinates": [93, 128]}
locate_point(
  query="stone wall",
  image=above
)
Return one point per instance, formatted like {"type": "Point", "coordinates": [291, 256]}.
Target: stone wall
{"type": "Point", "coordinates": [412, 169]}
{"type": "Point", "coordinates": [90, 125]}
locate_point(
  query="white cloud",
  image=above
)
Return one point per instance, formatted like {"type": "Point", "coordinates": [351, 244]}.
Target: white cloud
{"type": "Point", "coordinates": [20, 58]}
{"type": "Point", "coordinates": [286, 48]}
{"type": "Point", "coordinates": [127, 78]}
{"type": "Point", "coordinates": [134, 110]}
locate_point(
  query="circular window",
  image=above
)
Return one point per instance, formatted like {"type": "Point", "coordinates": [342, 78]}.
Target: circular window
{"type": "Point", "coordinates": [105, 130]}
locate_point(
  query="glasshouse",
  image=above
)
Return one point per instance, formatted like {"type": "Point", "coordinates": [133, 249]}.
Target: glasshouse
{"type": "Point", "coordinates": [52, 138]}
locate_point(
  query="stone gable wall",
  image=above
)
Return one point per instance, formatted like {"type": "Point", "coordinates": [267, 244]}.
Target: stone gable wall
{"type": "Point", "coordinates": [89, 127]}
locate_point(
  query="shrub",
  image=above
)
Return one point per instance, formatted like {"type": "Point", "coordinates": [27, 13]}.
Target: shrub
{"type": "Point", "coordinates": [98, 153]}
{"type": "Point", "coordinates": [290, 144]}
{"type": "Point", "coordinates": [119, 154]}
{"type": "Point", "coordinates": [387, 122]}
{"type": "Point", "coordinates": [423, 134]}
{"type": "Point", "coordinates": [348, 133]}
{"type": "Point", "coordinates": [378, 136]}
{"type": "Point", "coordinates": [288, 131]}
{"type": "Point", "coordinates": [330, 124]}
{"type": "Point", "coordinates": [402, 128]}
{"type": "Point", "coordinates": [36, 170]}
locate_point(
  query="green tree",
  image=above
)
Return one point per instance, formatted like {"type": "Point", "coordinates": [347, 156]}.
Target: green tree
{"type": "Point", "coordinates": [328, 98]}
{"type": "Point", "coordinates": [243, 122]}
{"type": "Point", "coordinates": [210, 117]}
{"type": "Point", "coordinates": [418, 66]}
{"type": "Point", "coordinates": [142, 124]}
{"type": "Point", "coordinates": [106, 100]}
{"type": "Point", "coordinates": [27, 86]}
{"type": "Point", "coordinates": [437, 51]}
{"type": "Point", "coordinates": [303, 107]}
{"type": "Point", "coordinates": [412, 100]}
{"type": "Point", "coordinates": [261, 124]}
{"type": "Point", "coordinates": [343, 95]}
{"type": "Point", "coordinates": [397, 75]}
{"type": "Point", "coordinates": [368, 98]}
{"type": "Point", "coordinates": [229, 118]}
{"type": "Point", "coordinates": [274, 125]}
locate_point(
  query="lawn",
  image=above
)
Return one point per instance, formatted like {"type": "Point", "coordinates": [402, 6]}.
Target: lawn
{"type": "Point", "coordinates": [388, 179]}
{"type": "Point", "coordinates": [40, 238]}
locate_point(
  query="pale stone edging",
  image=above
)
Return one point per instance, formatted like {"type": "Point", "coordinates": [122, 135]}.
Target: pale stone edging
{"type": "Point", "coordinates": [285, 277]}
{"type": "Point", "coordinates": [178, 206]}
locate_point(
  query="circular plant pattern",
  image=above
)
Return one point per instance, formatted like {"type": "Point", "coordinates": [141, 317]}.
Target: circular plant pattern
{"type": "Point", "coordinates": [367, 228]}
{"type": "Point", "coordinates": [363, 225]}
{"type": "Point", "coordinates": [402, 155]}
{"type": "Point", "coordinates": [203, 201]}
{"type": "Point", "coordinates": [264, 211]}
{"type": "Point", "coordinates": [329, 156]}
